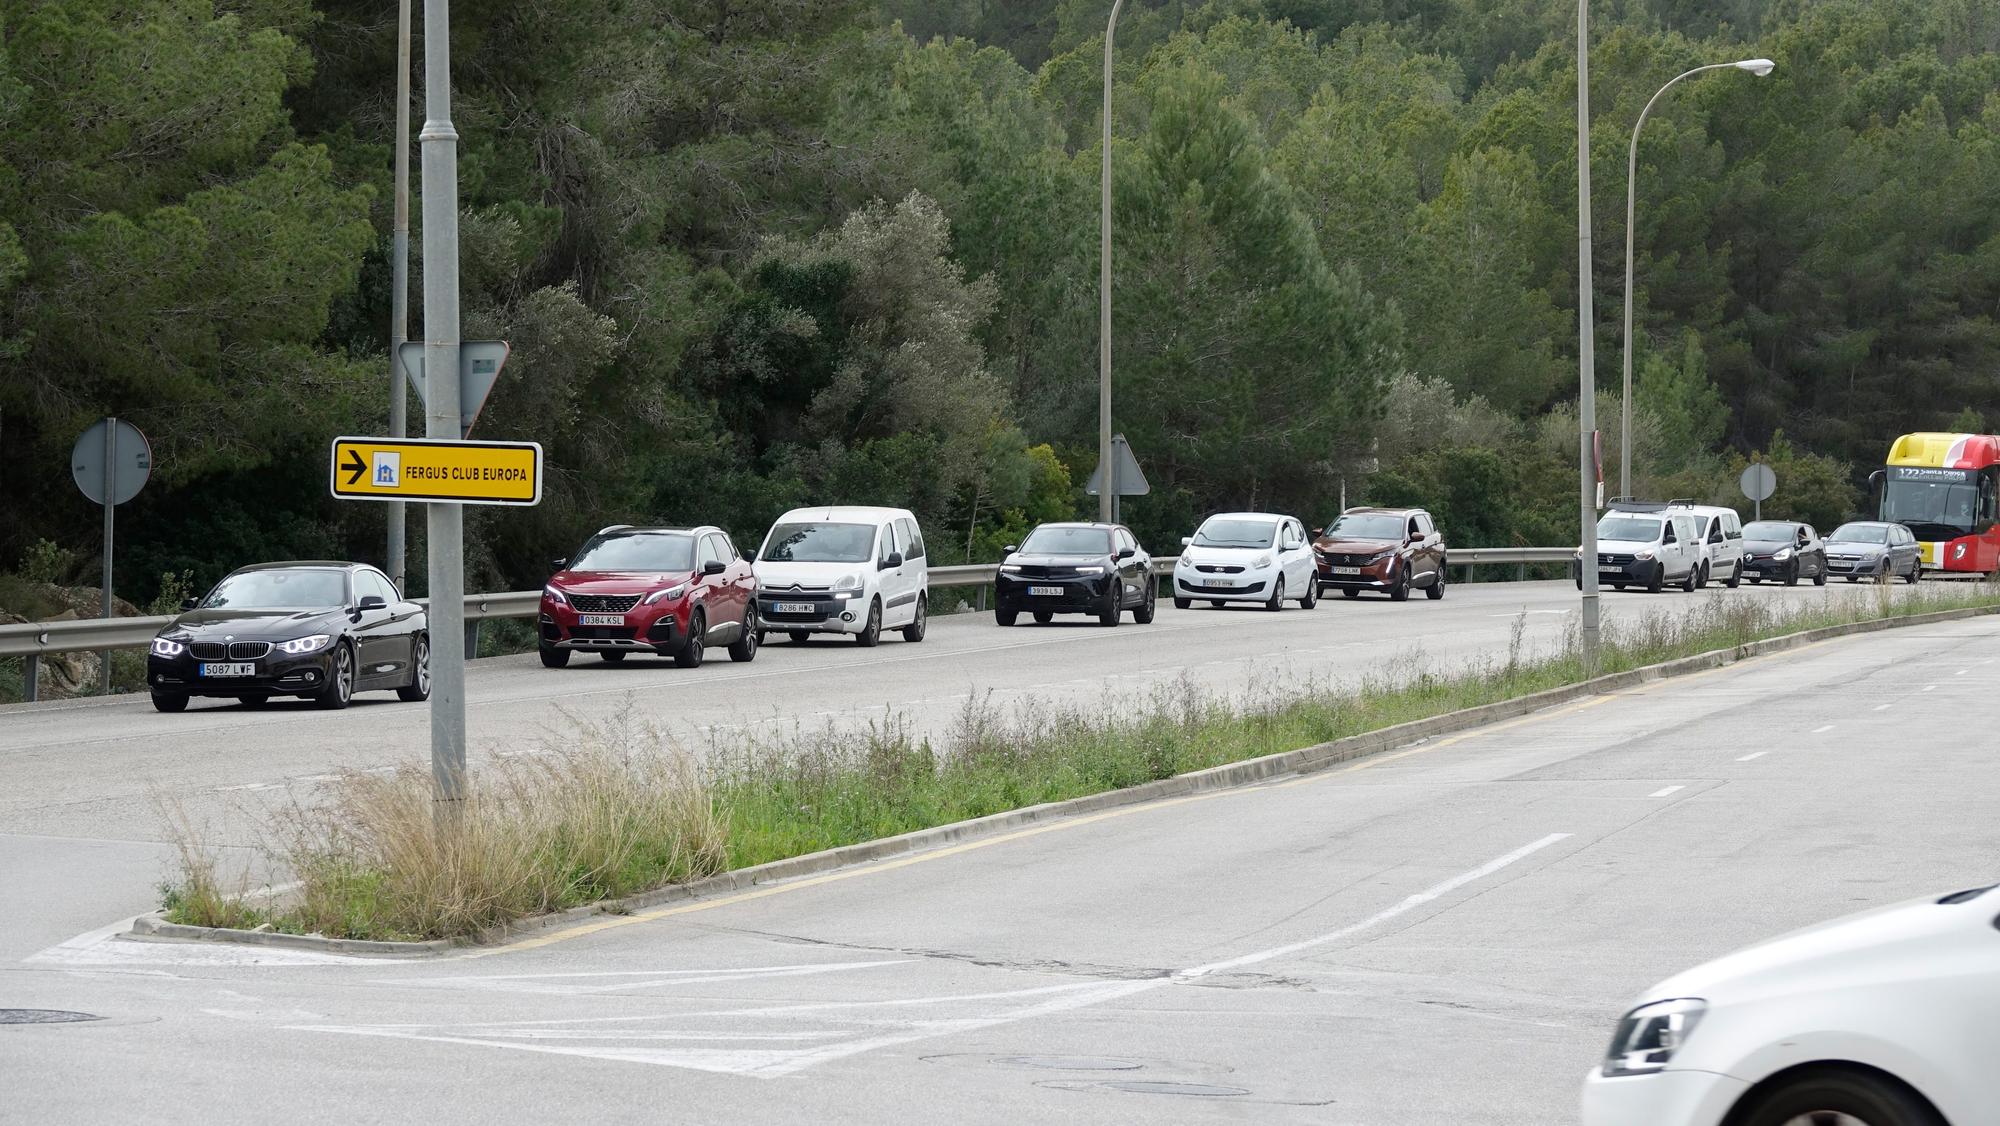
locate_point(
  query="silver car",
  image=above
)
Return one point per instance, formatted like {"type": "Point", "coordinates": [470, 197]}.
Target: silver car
{"type": "Point", "coordinates": [1873, 549]}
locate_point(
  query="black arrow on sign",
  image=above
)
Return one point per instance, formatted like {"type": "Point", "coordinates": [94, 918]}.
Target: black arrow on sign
{"type": "Point", "coordinates": [356, 467]}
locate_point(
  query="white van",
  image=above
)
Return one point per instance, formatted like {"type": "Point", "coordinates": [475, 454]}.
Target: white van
{"type": "Point", "coordinates": [1645, 549]}
{"type": "Point", "coordinates": [843, 570]}
{"type": "Point", "coordinates": [1721, 533]}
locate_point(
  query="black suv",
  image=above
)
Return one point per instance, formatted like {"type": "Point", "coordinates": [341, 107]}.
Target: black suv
{"type": "Point", "coordinates": [1095, 569]}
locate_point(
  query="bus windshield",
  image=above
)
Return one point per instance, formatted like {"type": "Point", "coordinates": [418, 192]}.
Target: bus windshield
{"type": "Point", "coordinates": [1934, 510]}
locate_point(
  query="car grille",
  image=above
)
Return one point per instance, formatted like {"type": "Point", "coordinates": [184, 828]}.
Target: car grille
{"type": "Point", "coordinates": [234, 651]}
{"type": "Point", "coordinates": [1032, 571]}
{"type": "Point", "coordinates": [1616, 559]}
{"type": "Point", "coordinates": [1345, 560]}
{"type": "Point", "coordinates": [1217, 569]}
{"type": "Point", "coordinates": [603, 603]}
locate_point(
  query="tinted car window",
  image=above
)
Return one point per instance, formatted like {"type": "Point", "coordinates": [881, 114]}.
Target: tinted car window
{"type": "Point", "coordinates": [369, 582]}
{"type": "Point", "coordinates": [1768, 530]}
{"type": "Point", "coordinates": [1366, 526]}
{"type": "Point", "coordinates": [636, 551]}
{"type": "Point", "coordinates": [820, 543]}
{"type": "Point", "coordinates": [888, 546]}
{"type": "Point", "coordinates": [1068, 541]}
{"type": "Point", "coordinates": [314, 589]}
{"type": "Point", "coordinates": [711, 550]}
{"type": "Point", "coordinates": [1424, 523]}
{"type": "Point", "coordinates": [912, 538]}
{"type": "Point", "coordinates": [1236, 533]}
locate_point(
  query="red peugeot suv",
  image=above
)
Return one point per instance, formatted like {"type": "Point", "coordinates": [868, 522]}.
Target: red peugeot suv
{"type": "Point", "coordinates": [670, 591]}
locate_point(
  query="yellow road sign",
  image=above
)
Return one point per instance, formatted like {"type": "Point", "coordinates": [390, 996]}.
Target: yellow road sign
{"type": "Point", "coordinates": [437, 470]}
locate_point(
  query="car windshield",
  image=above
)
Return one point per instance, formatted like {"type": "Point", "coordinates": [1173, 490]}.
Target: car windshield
{"type": "Point", "coordinates": [1859, 533]}
{"type": "Point", "coordinates": [315, 589]}
{"type": "Point", "coordinates": [1372, 526]}
{"type": "Point", "coordinates": [820, 543]}
{"type": "Point", "coordinates": [1638, 529]}
{"type": "Point", "coordinates": [1236, 533]}
{"type": "Point", "coordinates": [1769, 532]}
{"type": "Point", "coordinates": [636, 551]}
{"type": "Point", "coordinates": [1068, 541]}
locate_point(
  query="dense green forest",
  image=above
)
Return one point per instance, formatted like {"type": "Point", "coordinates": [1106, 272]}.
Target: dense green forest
{"type": "Point", "coordinates": [755, 253]}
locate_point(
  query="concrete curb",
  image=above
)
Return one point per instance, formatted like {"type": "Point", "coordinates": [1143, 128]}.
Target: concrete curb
{"type": "Point", "coordinates": [1227, 776]}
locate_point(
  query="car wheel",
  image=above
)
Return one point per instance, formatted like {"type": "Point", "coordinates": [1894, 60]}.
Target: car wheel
{"type": "Point", "coordinates": [611, 656]}
{"type": "Point", "coordinates": [1401, 591]}
{"type": "Point", "coordinates": [744, 648]}
{"type": "Point", "coordinates": [1838, 1098]}
{"type": "Point", "coordinates": [419, 687]}
{"type": "Point", "coordinates": [1349, 592]}
{"type": "Point", "coordinates": [554, 658]}
{"type": "Point", "coordinates": [1659, 580]}
{"type": "Point", "coordinates": [1701, 580]}
{"type": "Point", "coordinates": [689, 655]}
{"type": "Point", "coordinates": [1435, 591]}
{"type": "Point", "coordinates": [1277, 601]}
{"type": "Point", "coordinates": [1819, 576]}
{"type": "Point", "coordinates": [1884, 576]}
{"type": "Point", "coordinates": [1310, 598]}
{"type": "Point", "coordinates": [340, 682]}
{"type": "Point", "coordinates": [1689, 584]}
{"type": "Point", "coordinates": [915, 630]}
{"type": "Point", "coordinates": [1043, 617]}
{"type": "Point", "coordinates": [170, 702]}
{"type": "Point", "coordinates": [1143, 613]}
{"type": "Point", "coordinates": [1111, 611]}
{"type": "Point", "coordinates": [1183, 603]}
{"type": "Point", "coordinates": [872, 632]}
{"type": "Point", "coordinates": [1735, 577]}
{"type": "Point", "coordinates": [799, 636]}
{"type": "Point", "coordinates": [1916, 572]}
{"type": "Point", "coordinates": [1792, 575]}
{"type": "Point", "coordinates": [1005, 617]}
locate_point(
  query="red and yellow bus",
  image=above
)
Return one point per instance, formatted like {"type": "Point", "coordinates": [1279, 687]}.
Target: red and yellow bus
{"type": "Point", "coordinates": [1945, 488]}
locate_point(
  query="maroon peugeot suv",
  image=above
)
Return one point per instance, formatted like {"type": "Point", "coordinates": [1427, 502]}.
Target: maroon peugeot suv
{"type": "Point", "coordinates": [669, 591]}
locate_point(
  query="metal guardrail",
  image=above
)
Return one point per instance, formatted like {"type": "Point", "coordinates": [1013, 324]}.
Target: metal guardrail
{"type": "Point", "coordinates": [35, 640]}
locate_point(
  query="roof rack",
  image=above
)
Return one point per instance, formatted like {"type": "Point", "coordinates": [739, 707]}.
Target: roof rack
{"type": "Point", "coordinates": [1627, 504]}
{"type": "Point", "coordinates": [613, 528]}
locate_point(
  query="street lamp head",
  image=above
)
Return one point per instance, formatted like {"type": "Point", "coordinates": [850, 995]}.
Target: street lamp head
{"type": "Point", "coordinates": [1758, 67]}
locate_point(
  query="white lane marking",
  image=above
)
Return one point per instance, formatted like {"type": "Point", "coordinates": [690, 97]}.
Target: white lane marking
{"type": "Point", "coordinates": [1883, 707]}
{"type": "Point", "coordinates": [575, 984]}
{"type": "Point", "coordinates": [103, 947]}
{"type": "Point", "coordinates": [1961, 672]}
{"type": "Point", "coordinates": [1664, 791]}
{"type": "Point", "coordinates": [1752, 755]}
{"type": "Point", "coordinates": [849, 1028]}
{"type": "Point", "coordinates": [1380, 917]}
{"type": "Point", "coordinates": [1822, 730]}
{"type": "Point", "coordinates": [1930, 687]}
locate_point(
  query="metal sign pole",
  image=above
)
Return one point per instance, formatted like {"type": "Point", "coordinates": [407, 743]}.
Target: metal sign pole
{"type": "Point", "coordinates": [1586, 401]}
{"type": "Point", "coordinates": [110, 506]}
{"type": "Point", "coordinates": [399, 294]}
{"type": "Point", "coordinates": [439, 142]}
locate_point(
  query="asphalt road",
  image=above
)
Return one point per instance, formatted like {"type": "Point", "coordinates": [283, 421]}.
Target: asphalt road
{"type": "Point", "coordinates": [1440, 935]}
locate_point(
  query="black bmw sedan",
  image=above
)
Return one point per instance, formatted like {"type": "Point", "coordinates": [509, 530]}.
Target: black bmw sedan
{"type": "Point", "coordinates": [319, 630]}
{"type": "Point", "coordinates": [1096, 569]}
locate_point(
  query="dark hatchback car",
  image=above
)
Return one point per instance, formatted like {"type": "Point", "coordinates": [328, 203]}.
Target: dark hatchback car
{"type": "Point", "coordinates": [1097, 569]}
{"type": "Point", "coordinates": [1388, 550]}
{"type": "Point", "coordinates": [1783, 551]}
{"type": "Point", "coordinates": [320, 630]}
{"type": "Point", "coordinates": [666, 591]}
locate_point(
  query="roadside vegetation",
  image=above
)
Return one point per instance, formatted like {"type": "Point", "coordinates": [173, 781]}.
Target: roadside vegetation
{"type": "Point", "coordinates": [601, 811]}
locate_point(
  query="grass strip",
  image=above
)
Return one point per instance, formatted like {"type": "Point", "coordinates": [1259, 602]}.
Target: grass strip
{"type": "Point", "coordinates": [614, 809]}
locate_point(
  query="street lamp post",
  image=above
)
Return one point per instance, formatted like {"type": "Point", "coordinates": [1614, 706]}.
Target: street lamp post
{"type": "Point", "coordinates": [1107, 479]}
{"type": "Point", "coordinates": [399, 296]}
{"type": "Point", "coordinates": [1758, 67]}
{"type": "Point", "coordinates": [1586, 400]}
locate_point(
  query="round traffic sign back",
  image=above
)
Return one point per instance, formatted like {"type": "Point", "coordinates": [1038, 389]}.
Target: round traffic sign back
{"type": "Point", "coordinates": [1758, 482]}
{"type": "Point", "coordinates": [130, 461]}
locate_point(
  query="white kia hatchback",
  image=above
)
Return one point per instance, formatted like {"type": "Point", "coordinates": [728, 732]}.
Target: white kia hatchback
{"type": "Point", "coordinates": [1247, 557]}
{"type": "Point", "coordinates": [856, 571]}
{"type": "Point", "coordinates": [1879, 1019]}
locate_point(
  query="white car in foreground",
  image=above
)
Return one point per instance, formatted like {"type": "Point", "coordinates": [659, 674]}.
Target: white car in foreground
{"type": "Point", "coordinates": [1879, 1019]}
{"type": "Point", "coordinates": [1247, 557]}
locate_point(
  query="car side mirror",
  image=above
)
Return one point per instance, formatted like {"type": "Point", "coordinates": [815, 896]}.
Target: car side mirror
{"type": "Point", "coordinates": [1125, 553]}
{"type": "Point", "coordinates": [894, 561]}
{"type": "Point", "coordinates": [1187, 541]}
{"type": "Point", "coordinates": [558, 564]}
{"type": "Point", "coordinates": [714, 567]}
{"type": "Point", "coordinates": [190, 603]}
{"type": "Point", "coordinates": [373, 602]}
{"type": "Point", "coordinates": [1010, 549]}
{"type": "Point", "coordinates": [1317, 532]}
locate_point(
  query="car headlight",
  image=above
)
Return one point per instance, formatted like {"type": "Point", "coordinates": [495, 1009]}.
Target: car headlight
{"type": "Point", "coordinates": [298, 645]}
{"type": "Point", "coordinates": [1090, 570]}
{"type": "Point", "coordinates": [1649, 1035]}
{"type": "Point", "coordinates": [1010, 568]}
{"type": "Point", "coordinates": [1184, 563]}
{"type": "Point", "coordinates": [848, 582]}
{"type": "Point", "coordinates": [667, 595]}
{"type": "Point", "coordinates": [1380, 556]}
{"type": "Point", "coordinates": [554, 595]}
{"type": "Point", "coordinates": [1643, 553]}
{"type": "Point", "coordinates": [164, 647]}
{"type": "Point", "coordinates": [1782, 554]}
{"type": "Point", "coordinates": [1262, 562]}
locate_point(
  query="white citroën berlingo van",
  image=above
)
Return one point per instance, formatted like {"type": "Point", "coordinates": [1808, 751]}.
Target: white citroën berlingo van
{"type": "Point", "coordinates": [857, 571]}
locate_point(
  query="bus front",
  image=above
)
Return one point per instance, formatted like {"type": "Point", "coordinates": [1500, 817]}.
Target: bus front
{"type": "Point", "coordinates": [1943, 487]}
